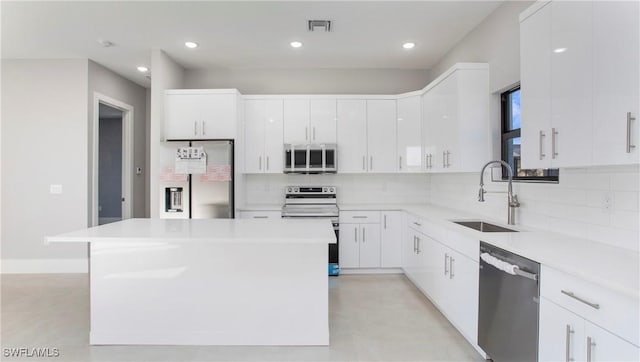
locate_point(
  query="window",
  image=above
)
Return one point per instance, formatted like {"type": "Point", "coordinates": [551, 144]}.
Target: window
{"type": "Point", "coordinates": [511, 141]}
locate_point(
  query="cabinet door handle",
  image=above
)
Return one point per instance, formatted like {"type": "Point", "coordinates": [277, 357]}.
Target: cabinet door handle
{"type": "Point", "coordinates": [448, 163]}
{"type": "Point", "coordinates": [267, 163]}
{"type": "Point", "coordinates": [444, 154]}
{"type": "Point", "coordinates": [430, 160]}
{"type": "Point", "coordinates": [195, 128]}
{"type": "Point", "coordinates": [554, 136]}
{"type": "Point", "coordinates": [418, 248]}
{"type": "Point", "coordinates": [363, 161]}
{"type": "Point", "coordinates": [415, 248]}
{"type": "Point", "coordinates": [572, 295]}
{"type": "Point", "coordinates": [446, 262]}
{"type": "Point", "coordinates": [629, 119]}
{"type": "Point", "coordinates": [567, 344]}
{"type": "Point", "coordinates": [314, 133]}
{"type": "Point", "coordinates": [306, 133]}
{"type": "Point", "coordinates": [451, 261]}
{"type": "Point", "coordinates": [355, 235]}
{"type": "Point", "coordinates": [204, 128]}
{"type": "Point", "coordinates": [370, 163]}
{"type": "Point", "coordinates": [400, 164]}
{"type": "Point", "coordinates": [590, 345]}
{"type": "Point", "coordinates": [385, 222]}
{"type": "Point", "coordinates": [364, 236]}
{"type": "Point", "coordinates": [260, 163]}
{"type": "Point", "coordinates": [542, 135]}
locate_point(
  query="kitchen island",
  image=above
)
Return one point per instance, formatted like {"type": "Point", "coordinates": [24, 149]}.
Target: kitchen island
{"type": "Point", "coordinates": [208, 282]}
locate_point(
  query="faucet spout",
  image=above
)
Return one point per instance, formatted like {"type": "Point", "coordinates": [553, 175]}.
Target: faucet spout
{"type": "Point", "coordinates": [512, 200]}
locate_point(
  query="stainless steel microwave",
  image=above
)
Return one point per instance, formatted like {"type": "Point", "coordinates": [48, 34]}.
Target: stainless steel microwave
{"type": "Point", "coordinates": [310, 158]}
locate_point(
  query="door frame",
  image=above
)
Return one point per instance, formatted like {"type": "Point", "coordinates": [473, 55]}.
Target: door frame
{"type": "Point", "coordinates": [127, 154]}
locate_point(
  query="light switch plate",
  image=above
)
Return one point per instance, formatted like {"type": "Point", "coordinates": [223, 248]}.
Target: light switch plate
{"type": "Point", "coordinates": [55, 189]}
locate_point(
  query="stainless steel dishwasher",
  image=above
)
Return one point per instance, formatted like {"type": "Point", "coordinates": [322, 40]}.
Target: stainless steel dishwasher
{"type": "Point", "coordinates": [508, 305]}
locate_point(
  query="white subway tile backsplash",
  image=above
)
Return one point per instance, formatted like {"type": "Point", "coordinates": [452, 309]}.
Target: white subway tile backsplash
{"type": "Point", "coordinates": [625, 182]}
{"type": "Point", "coordinates": [625, 219]}
{"type": "Point", "coordinates": [625, 200]}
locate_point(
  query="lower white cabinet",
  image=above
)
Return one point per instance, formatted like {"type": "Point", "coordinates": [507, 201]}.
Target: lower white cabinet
{"type": "Point", "coordinates": [391, 239]}
{"type": "Point", "coordinates": [359, 246]}
{"type": "Point", "coordinates": [565, 336]}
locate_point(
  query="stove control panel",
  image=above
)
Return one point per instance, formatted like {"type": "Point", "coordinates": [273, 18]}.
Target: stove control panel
{"type": "Point", "coordinates": [310, 190]}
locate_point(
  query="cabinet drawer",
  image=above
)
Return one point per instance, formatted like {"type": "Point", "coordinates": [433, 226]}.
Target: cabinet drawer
{"type": "Point", "coordinates": [426, 227]}
{"type": "Point", "coordinates": [360, 217]}
{"type": "Point", "coordinates": [259, 215]}
{"type": "Point", "coordinates": [415, 223]}
{"type": "Point", "coordinates": [617, 313]}
{"type": "Point", "coordinates": [465, 245]}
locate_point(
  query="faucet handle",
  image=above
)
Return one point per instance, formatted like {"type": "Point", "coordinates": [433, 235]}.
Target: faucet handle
{"type": "Point", "coordinates": [514, 201]}
{"type": "Point", "coordinates": [481, 193]}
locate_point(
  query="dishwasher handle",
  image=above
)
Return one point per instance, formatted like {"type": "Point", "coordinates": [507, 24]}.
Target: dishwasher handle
{"type": "Point", "coordinates": [506, 266]}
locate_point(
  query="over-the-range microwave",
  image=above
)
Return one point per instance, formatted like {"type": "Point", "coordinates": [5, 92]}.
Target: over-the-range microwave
{"type": "Point", "coordinates": [310, 158]}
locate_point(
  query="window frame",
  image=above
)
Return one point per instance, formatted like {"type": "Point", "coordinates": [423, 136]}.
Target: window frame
{"type": "Point", "coordinates": [506, 135]}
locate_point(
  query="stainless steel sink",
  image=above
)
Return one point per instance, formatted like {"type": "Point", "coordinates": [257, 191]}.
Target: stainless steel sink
{"type": "Point", "coordinates": [485, 227]}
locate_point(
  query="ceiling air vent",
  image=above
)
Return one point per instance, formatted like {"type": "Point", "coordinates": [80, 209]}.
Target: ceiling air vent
{"type": "Point", "coordinates": [320, 25]}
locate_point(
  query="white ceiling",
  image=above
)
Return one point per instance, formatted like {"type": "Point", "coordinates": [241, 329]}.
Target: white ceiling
{"type": "Point", "coordinates": [240, 34]}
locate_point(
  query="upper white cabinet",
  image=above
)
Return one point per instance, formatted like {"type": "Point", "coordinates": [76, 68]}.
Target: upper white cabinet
{"type": "Point", "coordinates": [263, 136]}
{"type": "Point", "coordinates": [456, 120]}
{"type": "Point", "coordinates": [579, 81]}
{"type": "Point", "coordinates": [309, 121]}
{"type": "Point", "coordinates": [352, 135]}
{"type": "Point", "coordinates": [201, 114]}
{"type": "Point", "coordinates": [409, 140]}
{"type": "Point", "coordinates": [616, 77]}
{"type": "Point", "coordinates": [381, 135]}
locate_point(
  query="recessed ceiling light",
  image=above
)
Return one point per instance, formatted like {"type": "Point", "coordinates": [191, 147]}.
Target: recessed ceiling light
{"type": "Point", "coordinates": [296, 44]}
{"type": "Point", "coordinates": [191, 45]}
{"type": "Point", "coordinates": [560, 50]}
{"type": "Point", "coordinates": [408, 45]}
{"type": "Point", "coordinates": [143, 69]}
{"type": "Point", "coordinates": [105, 43]}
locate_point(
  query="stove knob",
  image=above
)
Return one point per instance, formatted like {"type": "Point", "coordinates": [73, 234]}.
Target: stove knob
{"type": "Point", "coordinates": [333, 189]}
{"type": "Point", "coordinates": [296, 189]}
{"type": "Point", "coordinates": [324, 189]}
{"type": "Point", "coordinates": [289, 189]}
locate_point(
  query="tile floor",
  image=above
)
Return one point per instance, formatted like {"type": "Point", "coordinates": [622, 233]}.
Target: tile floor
{"type": "Point", "coordinates": [372, 318]}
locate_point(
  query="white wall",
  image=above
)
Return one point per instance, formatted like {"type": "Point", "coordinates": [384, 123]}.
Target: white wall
{"type": "Point", "coordinates": [575, 206]}
{"type": "Point", "coordinates": [310, 81]}
{"type": "Point", "coordinates": [352, 189]}
{"type": "Point", "coordinates": [112, 85]}
{"type": "Point", "coordinates": [167, 74]}
{"type": "Point", "coordinates": [44, 142]}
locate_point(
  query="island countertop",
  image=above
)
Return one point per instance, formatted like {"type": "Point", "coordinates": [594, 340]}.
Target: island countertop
{"type": "Point", "coordinates": [298, 231]}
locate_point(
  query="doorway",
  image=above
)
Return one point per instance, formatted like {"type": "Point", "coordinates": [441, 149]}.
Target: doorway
{"type": "Point", "coordinates": [112, 161]}
{"type": "Point", "coordinates": [109, 164]}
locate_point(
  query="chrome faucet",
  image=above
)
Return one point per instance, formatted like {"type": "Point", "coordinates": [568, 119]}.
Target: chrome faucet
{"type": "Point", "coordinates": [512, 200]}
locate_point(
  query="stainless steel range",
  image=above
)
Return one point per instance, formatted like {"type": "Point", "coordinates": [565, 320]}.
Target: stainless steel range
{"type": "Point", "coordinates": [315, 202]}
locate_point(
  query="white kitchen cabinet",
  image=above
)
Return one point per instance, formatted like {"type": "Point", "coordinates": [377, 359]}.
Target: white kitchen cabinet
{"type": "Point", "coordinates": [411, 260]}
{"type": "Point", "coordinates": [200, 114]}
{"type": "Point", "coordinates": [580, 84]}
{"type": "Point", "coordinates": [359, 246]}
{"type": "Point", "coordinates": [391, 239]}
{"type": "Point", "coordinates": [566, 336]}
{"type": "Point", "coordinates": [463, 287]}
{"type": "Point", "coordinates": [309, 121]}
{"type": "Point", "coordinates": [296, 121]}
{"type": "Point", "coordinates": [616, 72]}
{"type": "Point", "coordinates": [409, 140]}
{"type": "Point", "coordinates": [352, 135]}
{"type": "Point", "coordinates": [456, 121]}
{"type": "Point", "coordinates": [535, 89]}
{"type": "Point", "coordinates": [259, 214]}
{"type": "Point", "coordinates": [322, 121]}
{"type": "Point", "coordinates": [381, 135]}
{"type": "Point", "coordinates": [263, 136]}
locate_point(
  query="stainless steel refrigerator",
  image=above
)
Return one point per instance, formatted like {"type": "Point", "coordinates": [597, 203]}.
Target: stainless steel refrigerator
{"type": "Point", "coordinates": [207, 194]}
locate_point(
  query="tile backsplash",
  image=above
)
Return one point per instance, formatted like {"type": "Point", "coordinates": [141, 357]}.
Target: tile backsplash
{"type": "Point", "coordinates": [352, 188]}
{"type": "Point", "coordinates": [597, 203]}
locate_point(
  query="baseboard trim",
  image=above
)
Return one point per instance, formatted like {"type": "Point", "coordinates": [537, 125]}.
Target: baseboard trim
{"type": "Point", "coordinates": [44, 266]}
{"type": "Point", "coordinates": [371, 271]}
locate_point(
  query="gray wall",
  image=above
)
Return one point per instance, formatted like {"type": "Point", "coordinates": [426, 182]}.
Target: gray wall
{"type": "Point", "coordinates": [495, 41]}
{"type": "Point", "coordinates": [110, 168]}
{"type": "Point", "coordinates": [112, 85]}
{"type": "Point", "coordinates": [44, 142]}
{"type": "Point", "coordinates": [310, 81]}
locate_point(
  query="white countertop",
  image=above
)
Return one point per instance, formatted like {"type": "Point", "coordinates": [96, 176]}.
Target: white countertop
{"type": "Point", "coordinates": [612, 267]}
{"type": "Point", "coordinates": [206, 230]}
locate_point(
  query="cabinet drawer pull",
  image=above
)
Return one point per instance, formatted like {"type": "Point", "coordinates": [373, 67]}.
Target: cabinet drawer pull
{"type": "Point", "coordinates": [360, 217]}
{"type": "Point", "coordinates": [417, 223]}
{"type": "Point", "coordinates": [542, 135]}
{"type": "Point", "coordinates": [572, 295]}
{"type": "Point", "coordinates": [568, 344]}
{"type": "Point", "coordinates": [629, 119]}
{"type": "Point", "coordinates": [261, 217]}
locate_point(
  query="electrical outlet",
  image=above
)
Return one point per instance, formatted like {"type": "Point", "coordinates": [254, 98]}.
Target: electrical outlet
{"type": "Point", "coordinates": [138, 170]}
{"type": "Point", "coordinates": [607, 202]}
